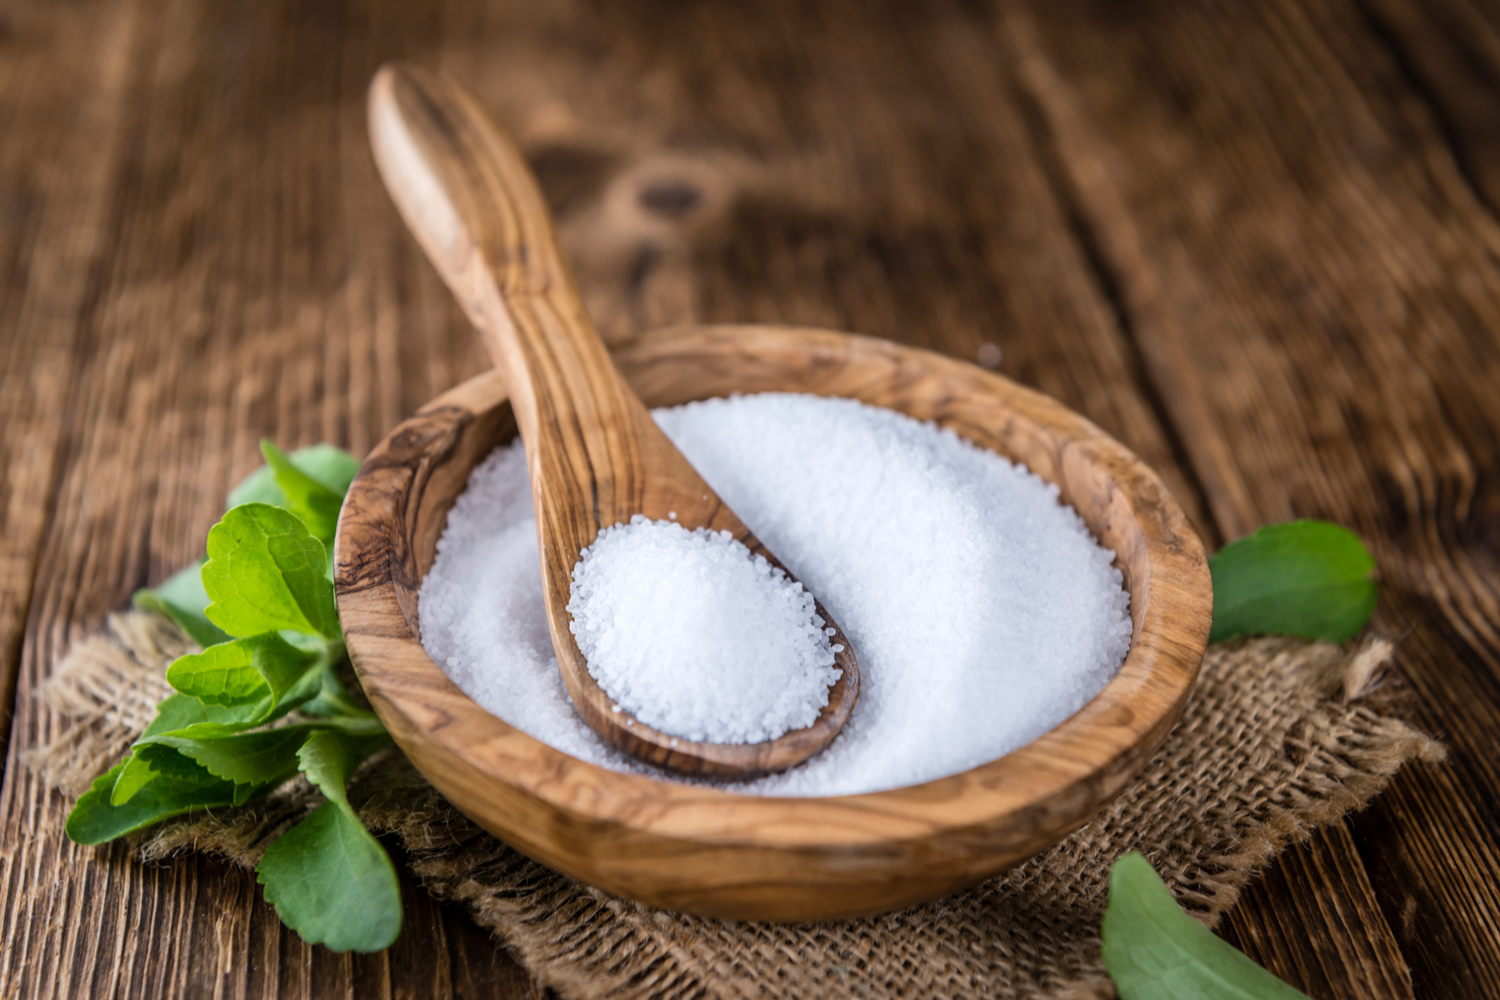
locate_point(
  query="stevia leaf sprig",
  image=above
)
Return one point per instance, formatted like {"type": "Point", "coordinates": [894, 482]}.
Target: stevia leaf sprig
{"type": "Point", "coordinates": [262, 607]}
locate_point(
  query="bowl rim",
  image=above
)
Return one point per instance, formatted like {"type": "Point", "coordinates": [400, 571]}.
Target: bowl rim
{"type": "Point", "coordinates": [1102, 744]}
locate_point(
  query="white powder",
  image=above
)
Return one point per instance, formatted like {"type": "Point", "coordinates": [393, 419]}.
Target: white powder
{"type": "Point", "coordinates": [697, 636]}
{"type": "Point", "coordinates": [982, 611]}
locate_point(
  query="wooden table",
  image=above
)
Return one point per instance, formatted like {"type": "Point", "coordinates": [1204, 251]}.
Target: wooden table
{"type": "Point", "coordinates": [1255, 241]}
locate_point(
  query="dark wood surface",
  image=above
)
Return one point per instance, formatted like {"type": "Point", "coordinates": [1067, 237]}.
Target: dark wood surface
{"type": "Point", "coordinates": [1256, 242]}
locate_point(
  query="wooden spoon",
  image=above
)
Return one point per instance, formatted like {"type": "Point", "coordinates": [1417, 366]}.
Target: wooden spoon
{"type": "Point", "coordinates": [595, 455]}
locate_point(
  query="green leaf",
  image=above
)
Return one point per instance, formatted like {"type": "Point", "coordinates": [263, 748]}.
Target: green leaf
{"type": "Point", "coordinates": [233, 752]}
{"type": "Point", "coordinates": [265, 582]}
{"type": "Point", "coordinates": [329, 880]}
{"type": "Point", "coordinates": [254, 758]}
{"type": "Point", "coordinates": [266, 572]}
{"type": "Point", "coordinates": [258, 487]}
{"type": "Point", "coordinates": [330, 467]}
{"type": "Point", "coordinates": [333, 699]}
{"type": "Point", "coordinates": [136, 773]}
{"type": "Point", "coordinates": [95, 820]}
{"type": "Point", "coordinates": [146, 763]}
{"type": "Point", "coordinates": [178, 715]}
{"type": "Point", "coordinates": [316, 504]}
{"type": "Point", "coordinates": [332, 755]}
{"type": "Point", "coordinates": [333, 883]}
{"type": "Point", "coordinates": [182, 598]}
{"type": "Point", "coordinates": [260, 670]}
{"type": "Point", "coordinates": [178, 712]}
{"type": "Point", "coordinates": [1305, 578]}
{"type": "Point", "coordinates": [1155, 951]}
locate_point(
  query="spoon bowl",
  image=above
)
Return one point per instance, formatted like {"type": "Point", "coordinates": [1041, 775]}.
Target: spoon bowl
{"type": "Point", "coordinates": [595, 456]}
{"type": "Point", "coordinates": [708, 850]}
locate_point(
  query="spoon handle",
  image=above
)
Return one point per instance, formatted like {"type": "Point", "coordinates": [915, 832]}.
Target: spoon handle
{"type": "Point", "coordinates": [595, 456]}
{"type": "Point", "coordinates": [468, 195]}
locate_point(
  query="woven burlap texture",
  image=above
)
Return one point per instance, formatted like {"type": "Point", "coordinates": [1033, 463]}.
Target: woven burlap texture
{"type": "Point", "coordinates": [1279, 738]}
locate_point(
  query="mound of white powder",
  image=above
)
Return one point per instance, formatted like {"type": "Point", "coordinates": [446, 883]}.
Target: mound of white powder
{"type": "Point", "coordinates": [982, 611]}
{"type": "Point", "coordinates": [697, 636]}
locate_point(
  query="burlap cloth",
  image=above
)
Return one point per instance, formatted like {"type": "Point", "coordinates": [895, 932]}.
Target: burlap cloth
{"type": "Point", "coordinates": [1280, 737]}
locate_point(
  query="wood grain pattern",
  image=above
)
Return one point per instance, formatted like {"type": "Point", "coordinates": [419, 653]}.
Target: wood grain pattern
{"type": "Point", "coordinates": [1324, 964]}
{"type": "Point", "coordinates": [156, 320]}
{"type": "Point", "coordinates": [186, 197]}
{"type": "Point", "coordinates": [59, 219]}
{"type": "Point", "coordinates": [596, 457]}
{"type": "Point", "coordinates": [1347, 389]}
{"type": "Point", "coordinates": [704, 850]}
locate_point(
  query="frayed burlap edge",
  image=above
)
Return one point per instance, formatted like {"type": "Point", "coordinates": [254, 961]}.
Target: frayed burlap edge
{"type": "Point", "coordinates": [1280, 738]}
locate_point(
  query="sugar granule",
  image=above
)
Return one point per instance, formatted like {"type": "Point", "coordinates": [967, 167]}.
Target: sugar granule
{"type": "Point", "coordinates": [981, 609]}
{"type": "Point", "coordinates": [696, 636]}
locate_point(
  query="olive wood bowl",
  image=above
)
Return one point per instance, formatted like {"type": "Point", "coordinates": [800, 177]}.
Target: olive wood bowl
{"type": "Point", "coordinates": [713, 852]}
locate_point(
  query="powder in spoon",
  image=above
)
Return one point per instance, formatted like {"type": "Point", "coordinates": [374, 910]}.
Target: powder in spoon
{"type": "Point", "coordinates": [697, 636]}
{"type": "Point", "coordinates": [981, 609]}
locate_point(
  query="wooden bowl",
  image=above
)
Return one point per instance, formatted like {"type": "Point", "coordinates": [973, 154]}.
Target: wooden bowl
{"type": "Point", "coordinates": [712, 852]}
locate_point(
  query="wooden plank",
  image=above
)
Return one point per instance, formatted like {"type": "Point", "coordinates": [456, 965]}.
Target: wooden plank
{"type": "Point", "coordinates": [1321, 884]}
{"type": "Point", "coordinates": [69, 67]}
{"type": "Point", "coordinates": [1108, 228]}
{"type": "Point", "coordinates": [206, 327]}
{"type": "Point", "coordinates": [1314, 287]}
{"type": "Point", "coordinates": [1449, 50]}
{"type": "Point", "coordinates": [832, 197]}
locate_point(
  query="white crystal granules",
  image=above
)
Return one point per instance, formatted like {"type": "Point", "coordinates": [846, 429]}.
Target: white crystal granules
{"type": "Point", "coordinates": [981, 610]}
{"type": "Point", "coordinates": [696, 636]}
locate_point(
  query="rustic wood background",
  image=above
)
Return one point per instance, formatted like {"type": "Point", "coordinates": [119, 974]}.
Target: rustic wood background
{"type": "Point", "coordinates": [1254, 240]}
